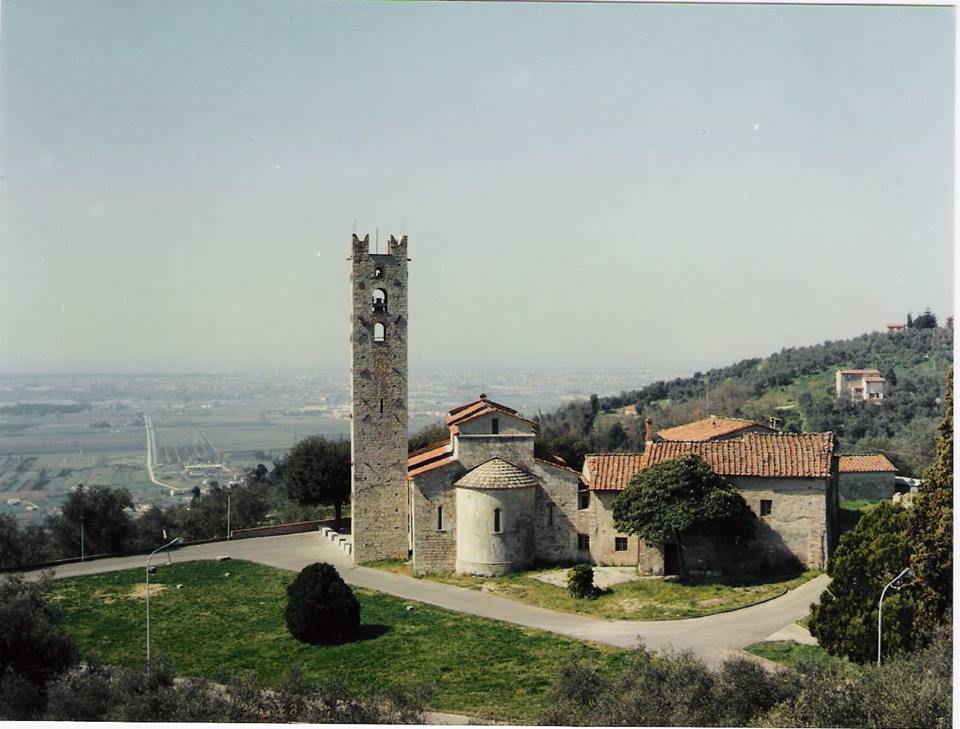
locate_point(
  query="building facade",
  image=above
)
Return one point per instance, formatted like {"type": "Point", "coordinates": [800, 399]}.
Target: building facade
{"type": "Point", "coordinates": [788, 480]}
{"type": "Point", "coordinates": [866, 385]}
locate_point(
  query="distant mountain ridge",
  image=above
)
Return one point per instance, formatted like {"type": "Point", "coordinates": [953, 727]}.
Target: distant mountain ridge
{"type": "Point", "coordinates": [796, 386]}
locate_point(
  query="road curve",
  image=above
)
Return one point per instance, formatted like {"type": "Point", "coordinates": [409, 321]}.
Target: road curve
{"type": "Point", "coordinates": [713, 638]}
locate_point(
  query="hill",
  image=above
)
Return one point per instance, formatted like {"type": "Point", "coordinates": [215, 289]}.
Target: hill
{"type": "Point", "coordinates": [795, 385]}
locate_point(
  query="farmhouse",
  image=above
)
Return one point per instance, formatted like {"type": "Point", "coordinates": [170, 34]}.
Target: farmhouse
{"type": "Point", "coordinates": [789, 480]}
{"type": "Point", "coordinates": [860, 385]}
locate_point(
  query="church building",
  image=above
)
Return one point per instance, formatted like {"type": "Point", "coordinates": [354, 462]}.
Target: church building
{"type": "Point", "coordinates": [485, 500]}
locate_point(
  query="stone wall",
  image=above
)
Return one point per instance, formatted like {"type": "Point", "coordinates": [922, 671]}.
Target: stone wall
{"type": "Point", "coordinates": [871, 486]}
{"type": "Point", "coordinates": [556, 514]}
{"type": "Point", "coordinates": [435, 550]}
{"type": "Point", "coordinates": [472, 450]}
{"type": "Point", "coordinates": [378, 378]}
{"type": "Point", "coordinates": [508, 425]}
{"type": "Point", "coordinates": [598, 520]}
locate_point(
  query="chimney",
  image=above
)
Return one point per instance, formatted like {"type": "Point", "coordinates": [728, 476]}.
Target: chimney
{"type": "Point", "coordinates": [648, 430]}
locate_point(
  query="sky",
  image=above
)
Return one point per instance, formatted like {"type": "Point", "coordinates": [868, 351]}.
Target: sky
{"type": "Point", "coordinates": [583, 186]}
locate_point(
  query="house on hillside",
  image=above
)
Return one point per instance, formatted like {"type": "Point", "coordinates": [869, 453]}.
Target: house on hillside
{"type": "Point", "coordinates": [869, 476]}
{"type": "Point", "coordinates": [712, 428]}
{"type": "Point", "coordinates": [789, 480]}
{"type": "Point", "coordinates": [896, 327]}
{"type": "Point", "coordinates": [856, 384]}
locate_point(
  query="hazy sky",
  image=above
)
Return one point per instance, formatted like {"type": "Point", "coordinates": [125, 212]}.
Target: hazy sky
{"type": "Point", "coordinates": [583, 185]}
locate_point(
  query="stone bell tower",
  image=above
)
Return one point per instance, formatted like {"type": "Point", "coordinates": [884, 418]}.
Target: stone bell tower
{"type": "Point", "coordinates": [378, 384]}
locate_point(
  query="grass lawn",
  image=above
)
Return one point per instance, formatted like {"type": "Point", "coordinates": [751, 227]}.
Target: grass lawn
{"type": "Point", "coordinates": [645, 599]}
{"type": "Point", "coordinates": [788, 653]}
{"type": "Point", "coordinates": [217, 625]}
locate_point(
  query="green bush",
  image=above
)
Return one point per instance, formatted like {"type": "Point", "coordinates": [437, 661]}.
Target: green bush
{"type": "Point", "coordinates": [580, 581]}
{"type": "Point", "coordinates": [321, 607]}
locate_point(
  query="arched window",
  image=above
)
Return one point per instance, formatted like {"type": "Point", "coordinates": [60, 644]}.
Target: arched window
{"type": "Point", "coordinates": [378, 272]}
{"type": "Point", "coordinates": [496, 520]}
{"type": "Point", "coordinates": [379, 300]}
{"type": "Point", "coordinates": [379, 332]}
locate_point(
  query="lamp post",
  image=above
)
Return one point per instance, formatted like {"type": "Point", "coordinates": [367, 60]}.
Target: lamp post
{"type": "Point", "coordinates": [82, 549]}
{"type": "Point", "coordinates": [905, 572]}
{"type": "Point", "coordinates": [228, 513]}
{"type": "Point", "coordinates": [158, 549]}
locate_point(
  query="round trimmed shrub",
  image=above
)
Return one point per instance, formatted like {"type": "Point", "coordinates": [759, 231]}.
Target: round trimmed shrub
{"type": "Point", "coordinates": [580, 581]}
{"type": "Point", "coordinates": [321, 607]}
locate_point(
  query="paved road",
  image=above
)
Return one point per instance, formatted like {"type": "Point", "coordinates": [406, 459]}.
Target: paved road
{"type": "Point", "coordinates": [714, 637]}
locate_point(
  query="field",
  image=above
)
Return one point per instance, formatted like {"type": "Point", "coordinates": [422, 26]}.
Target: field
{"type": "Point", "coordinates": [44, 456]}
{"type": "Point", "coordinates": [644, 599]}
{"type": "Point", "coordinates": [228, 618]}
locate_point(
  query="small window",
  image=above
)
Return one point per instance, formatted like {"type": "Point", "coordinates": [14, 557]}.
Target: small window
{"type": "Point", "coordinates": [766, 506]}
{"type": "Point", "coordinates": [496, 520]}
{"type": "Point", "coordinates": [439, 518]}
{"type": "Point", "coordinates": [379, 300]}
{"type": "Point", "coordinates": [495, 426]}
{"type": "Point", "coordinates": [378, 272]}
{"type": "Point", "coordinates": [381, 406]}
{"type": "Point", "coordinates": [619, 544]}
{"type": "Point", "coordinates": [549, 514]}
{"type": "Point", "coordinates": [583, 499]}
{"type": "Point", "coordinates": [379, 332]}
{"type": "Point", "coordinates": [583, 541]}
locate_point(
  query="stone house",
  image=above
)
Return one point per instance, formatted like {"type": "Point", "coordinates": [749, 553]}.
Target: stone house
{"type": "Point", "coordinates": [866, 385]}
{"type": "Point", "coordinates": [871, 476]}
{"type": "Point", "coordinates": [789, 480]}
{"type": "Point", "coordinates": [483, 501]}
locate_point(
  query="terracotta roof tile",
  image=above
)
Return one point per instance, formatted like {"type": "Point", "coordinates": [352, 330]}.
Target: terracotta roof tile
{"type": "Point", "coordinates": [497, 474]}
{"type": "Point", "coordinates": [610, 471]}
{"type": "Point", "coordinates": [762, 455]}
{"type": "Point", "coordinates": [872, 463]}
{"type": "Point", "coordinates": [708, 428]}
{"type": "Point", "coordinates": [875, 378]}
{"type": "Point", "coordinates": [430, 466]}
{"type": "Point", "coordinates": [858, 372]}
{"type": "Point", "coordinates": [479, 408]}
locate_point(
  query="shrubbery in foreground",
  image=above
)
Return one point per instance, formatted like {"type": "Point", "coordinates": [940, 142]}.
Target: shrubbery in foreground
{"type": "Point", "coordinates": [913, 690]}
{"type": "Point", "coordinates": [321, 607]}
{"type": "Point", "coordinates": [128, 695]}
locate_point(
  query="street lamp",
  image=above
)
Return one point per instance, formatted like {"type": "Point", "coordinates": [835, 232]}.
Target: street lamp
{"type": "Point", "coordinates": [228, 513]}
{"type": "Point", "coordinates": [905, 572]}
{"type": "Point", "coordinates": [158, 549]}
{"type": "Point", "coordinates": [82, 550]}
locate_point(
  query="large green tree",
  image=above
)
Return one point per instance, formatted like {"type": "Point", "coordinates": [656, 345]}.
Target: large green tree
{"type": "Point", "coordinates": [866, 559]}
{"type": "Point", "coordinates": [931, 530]}
{"type": "Point", "coordinates": [107, 521]}
{"type": "Point", "coordinates": [317, 471]}
{"type": "Point", "coordinates": [682, 498]}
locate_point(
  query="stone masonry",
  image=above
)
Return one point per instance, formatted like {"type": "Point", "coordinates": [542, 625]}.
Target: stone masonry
{"type": "Point", "coordinates": [378, 382]}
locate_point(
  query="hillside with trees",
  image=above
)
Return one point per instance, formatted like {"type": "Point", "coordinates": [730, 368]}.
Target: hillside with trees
{"type": "Point", "coordinates": [796, 386]}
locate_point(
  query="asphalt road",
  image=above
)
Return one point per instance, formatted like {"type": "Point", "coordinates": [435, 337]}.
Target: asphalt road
{"type": "Point", "coordinates": [713, 638]}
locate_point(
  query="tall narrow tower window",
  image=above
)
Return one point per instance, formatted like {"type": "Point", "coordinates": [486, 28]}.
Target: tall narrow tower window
{"type": "Point", "coordinates": [496, 520]}
{"type": "Point", "coordinates": [439, 518]}
{"type": "Point", "coordinates": [379, 332]}
{"type": "Point", "coordinates": [379, 300]}
{"type": "Point", "coordinates": [495, 428]}
{"type": "Point", "coordinates": [381, 406]}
